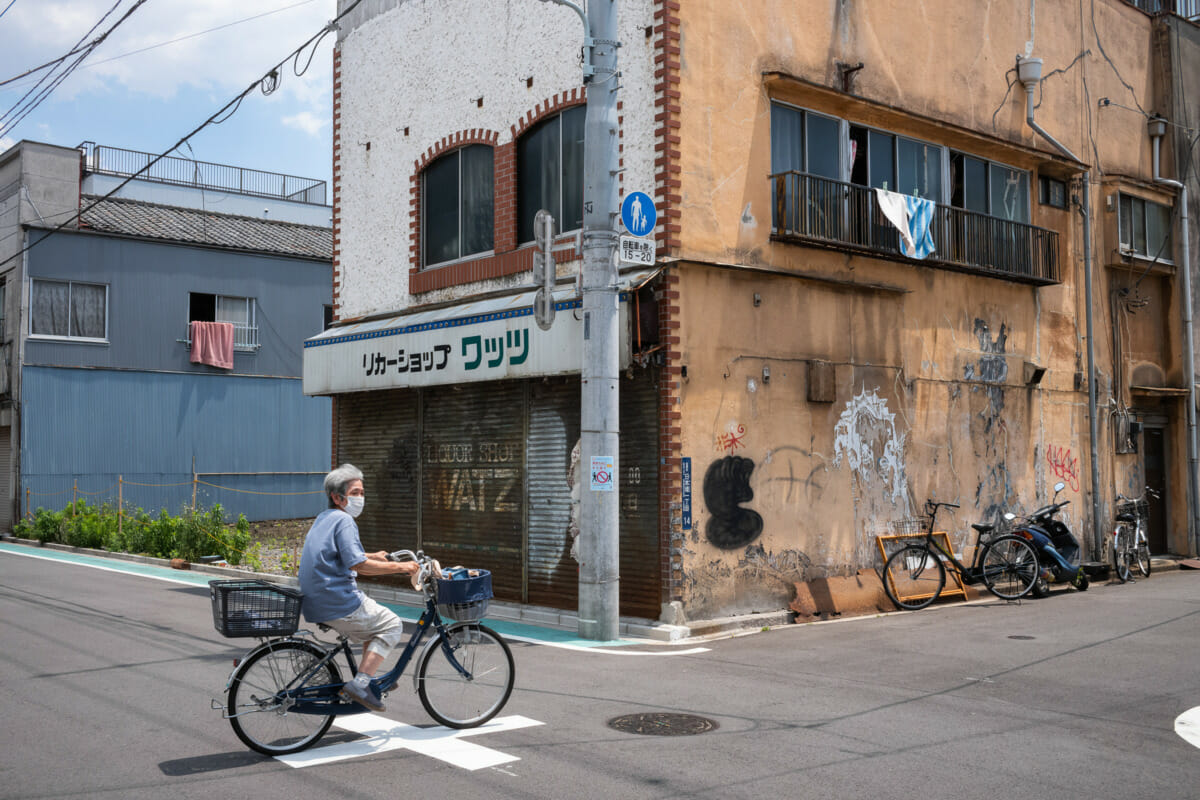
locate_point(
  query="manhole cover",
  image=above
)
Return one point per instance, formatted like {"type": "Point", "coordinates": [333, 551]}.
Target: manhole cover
{"type": "Point", "coordinates": [662, 724]}
{"type": "Point", "coordinates": [1021, 637]}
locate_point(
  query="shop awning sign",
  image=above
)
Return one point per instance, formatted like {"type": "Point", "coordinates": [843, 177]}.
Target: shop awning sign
{"type": "Point", "coordinates": [486, 340]}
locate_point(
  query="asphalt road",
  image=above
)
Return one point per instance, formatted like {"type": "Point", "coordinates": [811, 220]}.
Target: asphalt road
{"type": "Point", "coordinates": [107, 679]}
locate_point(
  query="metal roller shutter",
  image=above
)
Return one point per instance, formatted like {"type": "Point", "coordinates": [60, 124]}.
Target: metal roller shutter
{"type": "Point", "coordinates": [640, 559]}
{"type": "Point", "coordinates": [553, 430]}
{"type": "Point", "coordinates": [377, 432]}
{"type": "Point", "coordinates": [473, 472]}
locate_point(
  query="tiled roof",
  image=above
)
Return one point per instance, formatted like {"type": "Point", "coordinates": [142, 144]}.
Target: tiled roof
{"type": "Point", "coordinates": [173, 224]}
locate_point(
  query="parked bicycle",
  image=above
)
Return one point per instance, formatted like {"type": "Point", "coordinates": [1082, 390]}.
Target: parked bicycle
{"type": "Point", "coordinates": [1131, 545]}
{"type": "Point", "coordinates": [915, 575]}
{"type": "Point", "coordinates": [282, 696]}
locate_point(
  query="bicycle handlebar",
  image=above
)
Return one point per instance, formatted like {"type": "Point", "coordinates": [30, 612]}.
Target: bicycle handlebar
{"type": "Point", "coordinates": [428, 568]}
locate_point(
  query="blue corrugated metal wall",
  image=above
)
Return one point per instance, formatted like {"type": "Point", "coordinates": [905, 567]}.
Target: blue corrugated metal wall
{"type": "Point", "coordinates": [87, 426]}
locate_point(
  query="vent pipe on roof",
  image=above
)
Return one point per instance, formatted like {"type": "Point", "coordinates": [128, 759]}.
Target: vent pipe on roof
{"type": "Point", "coordinates": [1157, 128]}
{"type": "Point", "coordinates": [1029, 72]}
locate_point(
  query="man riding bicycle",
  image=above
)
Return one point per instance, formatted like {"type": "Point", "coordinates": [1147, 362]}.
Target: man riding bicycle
{"type": "Point", "coordinates": [333, 558]}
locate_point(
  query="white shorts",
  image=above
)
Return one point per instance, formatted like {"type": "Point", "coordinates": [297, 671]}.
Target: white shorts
{"type": "Point", "coordinates": [371, 623]}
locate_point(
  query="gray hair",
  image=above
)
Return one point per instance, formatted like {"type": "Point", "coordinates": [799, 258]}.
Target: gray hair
{"type": "Point", "coordinates": [337, 481]}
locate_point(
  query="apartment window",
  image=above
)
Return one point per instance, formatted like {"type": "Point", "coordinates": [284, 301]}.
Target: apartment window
{"type": "Point", "coordinates": [240, 311]}
{"type": "Point", "coordinates": [1145, 228]}
{"type": "Point", "coordinates": [989, 188]}
{"type": "Point", "coordinates": [885, 161]}
{"type": "Point", "coordinates": [550, 172]}
{"type": "Point", "coordinates": [459, 205]}
{"type": "Point", "coordinates": [68, 309]}
{"type": "Point", "coordinates": [804, 142]}
{"type": "Point", "coordinates": [1052, 192]}
{"type": "Point", "coordinates": [327, 318]}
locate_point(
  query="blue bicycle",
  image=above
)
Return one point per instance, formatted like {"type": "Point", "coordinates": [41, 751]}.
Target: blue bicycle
{"type": "Point", "coordinates": [282, 696]}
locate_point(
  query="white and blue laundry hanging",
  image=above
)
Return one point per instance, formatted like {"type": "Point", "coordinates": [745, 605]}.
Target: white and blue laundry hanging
{"type": "Point", "coordinates": [912, 216]}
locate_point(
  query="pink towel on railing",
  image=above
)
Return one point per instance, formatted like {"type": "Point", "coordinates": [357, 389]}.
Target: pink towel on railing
{"type": "Point", "coordinates": [212, 344]}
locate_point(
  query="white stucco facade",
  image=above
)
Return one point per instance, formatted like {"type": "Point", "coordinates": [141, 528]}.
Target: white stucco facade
{"type": "Point", "coordinates": [413, 72]}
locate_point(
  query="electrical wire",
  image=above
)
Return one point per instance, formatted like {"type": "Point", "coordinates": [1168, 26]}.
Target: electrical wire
{"type": "Point", "coordinates": [7, 7]}
{"type": "Point", "coordinates": [221, 115]}
{"type": "Point", "coordinates": [29, 107]}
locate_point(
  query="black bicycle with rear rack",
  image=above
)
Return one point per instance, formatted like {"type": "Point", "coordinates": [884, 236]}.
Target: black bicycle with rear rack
{"type": "Point", "coordinates": [283, 695]}
{"type": "Point", "coordinates": [914, 575]}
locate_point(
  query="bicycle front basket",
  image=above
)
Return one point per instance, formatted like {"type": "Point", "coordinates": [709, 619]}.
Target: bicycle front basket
{"type": "Point", "coordinates": [254, 608]}
{"type": "Point", "coordinates": [465, 599]}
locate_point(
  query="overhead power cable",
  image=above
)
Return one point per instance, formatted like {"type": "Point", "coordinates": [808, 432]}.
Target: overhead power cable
{"type": "Point", "coordinates": [24, 111]}
{"type": "Point", "coordinates": [267, 83]}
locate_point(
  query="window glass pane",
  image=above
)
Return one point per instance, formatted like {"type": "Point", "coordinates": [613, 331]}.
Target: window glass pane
{"type": "Point", "coordinates": [1138, 217]}
{"type": "Point", "coordinates": [87, 310]}
{"type": "Point", "coordinates": [538, 175]}
{"type": "Point", "coordinates": [573, 120]}
{"type": "Point", "coordinates": [1158, 231]}
{"type": "Point", "coordinates": [882, 159]}
{"type": "Point", "coordinates": [1126, 211]}
{"type": "Point", "coordinates": [787, 139]}
{"type": "Point", "coordinates": [48, 308]}
{"type": "Point", "coordinates": [822, 148]}
{"type": "Point", "coordinates": [858, 156]}
{"type": "Point", "coordinates": [1009, 193]}
{"type": "Point", "coordinates": [477, 201]}
{"type": "Point", "coordinates": [920, 170]}
{"type": "Point", "coordinates": [441, 209]}
{"type": "Point", "coordinates": [233, 309]}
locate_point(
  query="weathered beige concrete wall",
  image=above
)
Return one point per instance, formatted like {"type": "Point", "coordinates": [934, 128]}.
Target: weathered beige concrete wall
{"type": "Point", "coordinates": [930, 394]}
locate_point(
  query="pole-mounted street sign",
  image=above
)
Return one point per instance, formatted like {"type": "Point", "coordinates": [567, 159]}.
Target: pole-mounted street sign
{"type": "Point", "coordinates": [638, 213]}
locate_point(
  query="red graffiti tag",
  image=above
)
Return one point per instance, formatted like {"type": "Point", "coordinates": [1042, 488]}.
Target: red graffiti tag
{"type": "Point", "coordinates": [1063, 465]}
{"type": "Point", "coordinates": [728, 442]}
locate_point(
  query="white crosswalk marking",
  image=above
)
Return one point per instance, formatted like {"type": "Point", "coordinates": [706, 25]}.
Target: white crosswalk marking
{"type": "Point", "coordinates": [383, 734]}
{"type": "Point", "coordinates": [1187, 725]}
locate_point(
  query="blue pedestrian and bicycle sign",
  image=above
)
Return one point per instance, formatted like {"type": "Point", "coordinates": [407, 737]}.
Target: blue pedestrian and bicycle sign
{"type": "Point", "coordinates": [638, 213]}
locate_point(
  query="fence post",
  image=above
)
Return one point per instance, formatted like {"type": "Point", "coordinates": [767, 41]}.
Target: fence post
{"type": "Point", "coordinates": [120, 506]}
{"type": "Point", "coordinates": [194, 479]}
{"type": "Point", "coordinates": [28, 509]}
{"type": "Point", "coordinates": [74, 496]}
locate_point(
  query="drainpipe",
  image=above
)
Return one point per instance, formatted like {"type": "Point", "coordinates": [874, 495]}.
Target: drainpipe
{"type": "Point", "coordinates": [1158, 128]}
{"type": "Point", "coordinates": [1029, 72]}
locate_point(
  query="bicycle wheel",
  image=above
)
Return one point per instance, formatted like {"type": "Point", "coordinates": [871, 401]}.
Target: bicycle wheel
{"type": "Point", "coordinates": [465, 701]}
{"type": "Point", "coordinates": [1009, 567]}
{"type": "Point", "coordinates": [913, 577]}
{"type": "Point", "coordinates": [1142, 551]}
{"type": "Point", "coordinates": [1121, 552]}
{"type": "Point", "coordinates": [259, 717]}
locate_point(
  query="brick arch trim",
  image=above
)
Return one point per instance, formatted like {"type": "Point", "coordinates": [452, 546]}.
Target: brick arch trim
{"type": "Point", "coordinates": [548, 108]}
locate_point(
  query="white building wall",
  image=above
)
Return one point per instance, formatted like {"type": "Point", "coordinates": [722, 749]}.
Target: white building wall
{"type": "Point", "coordinates": [423, 65]}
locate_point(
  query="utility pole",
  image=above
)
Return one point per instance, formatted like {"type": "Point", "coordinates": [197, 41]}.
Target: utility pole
{"type": "Point", "coordinates": [599, 544]}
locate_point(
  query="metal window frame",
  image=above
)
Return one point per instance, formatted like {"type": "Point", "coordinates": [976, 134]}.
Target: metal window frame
{"type": "Point", "coordinates": [69, 337]}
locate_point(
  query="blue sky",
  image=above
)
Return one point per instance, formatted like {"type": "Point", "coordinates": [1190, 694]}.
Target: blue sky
{"type": "Point", "coordinates": [165, 70]}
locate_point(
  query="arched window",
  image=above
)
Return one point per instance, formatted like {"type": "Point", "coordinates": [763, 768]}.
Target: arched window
{"type": "Point", "coordinates": [458, 218]}
{"type": "Point", "coordinates": [550, 173]}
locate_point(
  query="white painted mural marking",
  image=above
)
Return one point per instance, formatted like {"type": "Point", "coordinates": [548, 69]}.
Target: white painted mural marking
{"type": "Point", "coordinates": [866, 437]}
{"type": "Point", "coordinates": [1187, 725]}
{"type": "Point", "coordinates": [383, 734]}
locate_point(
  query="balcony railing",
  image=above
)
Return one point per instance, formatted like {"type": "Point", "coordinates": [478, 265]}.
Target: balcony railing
{"type": "Point", "coordinates": [1188, 9]}
{"type": "Point", "coordinates": [245, 337]}
{"type": "Point", "coordinates": [821, 210]}
{"type": "Point", "coordinates": [103, 160]}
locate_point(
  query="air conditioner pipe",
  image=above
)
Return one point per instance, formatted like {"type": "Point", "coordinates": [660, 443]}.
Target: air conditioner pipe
{"type": "Point", "coordinates": [1029, 72]}
{"type": "Point", "coordinates": [1158, 127]}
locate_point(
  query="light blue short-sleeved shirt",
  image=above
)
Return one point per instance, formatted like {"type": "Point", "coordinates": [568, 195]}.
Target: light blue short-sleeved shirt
{"type": "Point", "coordinates": [331, 547]}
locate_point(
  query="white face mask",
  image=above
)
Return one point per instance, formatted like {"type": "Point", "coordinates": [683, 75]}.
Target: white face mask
{"type": "Point", "coordinates": [354, 505]}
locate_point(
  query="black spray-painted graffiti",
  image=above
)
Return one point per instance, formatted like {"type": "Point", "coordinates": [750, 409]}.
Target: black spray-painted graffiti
{"type": "Point", "coordinates": [378, 363]}
{"type": "Point", "coordinates": [726, 486]}
{"type": "Point", "coordinates": [494, 348]}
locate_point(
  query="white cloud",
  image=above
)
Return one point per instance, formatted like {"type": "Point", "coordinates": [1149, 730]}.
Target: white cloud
{"type": "Point", "coordinates": [306, 121]}
{"type": "Point", "coordinates": [225, 60]}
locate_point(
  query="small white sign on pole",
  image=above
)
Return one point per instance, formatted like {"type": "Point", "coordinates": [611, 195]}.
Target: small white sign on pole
{"type": "Point", "coordinates": [636, 250]}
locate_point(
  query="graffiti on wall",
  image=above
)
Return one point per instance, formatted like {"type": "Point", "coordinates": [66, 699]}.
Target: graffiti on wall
{"type": "Point", "coordinates": [866, 440]}
{"type": "Point", "coordinates": [726, 487]}
{"type": "Point", "coordinates": [1063, 465]}
{"type": "Point", "coordinates": [731, 440]}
